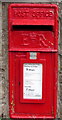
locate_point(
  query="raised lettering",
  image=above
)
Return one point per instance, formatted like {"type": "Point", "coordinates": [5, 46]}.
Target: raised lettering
{"type": "Point", "coordinates": [24, 13]}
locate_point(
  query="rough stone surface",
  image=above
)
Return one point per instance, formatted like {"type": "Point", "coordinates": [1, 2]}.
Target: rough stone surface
{"type": "Point", "coordinates": [61, 92]}
{"type": "Point", "coordinates": [5, 85]}
{"type": "Point", "coordinates": [31, 1]}
{"type": "Point", "coordinates": [0, 59]}
{"type": "Point", "coordinates": [4, 70]}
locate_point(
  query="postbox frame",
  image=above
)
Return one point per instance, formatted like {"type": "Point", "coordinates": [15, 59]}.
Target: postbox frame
{"type": "Point", "coordinates": [12, 82]}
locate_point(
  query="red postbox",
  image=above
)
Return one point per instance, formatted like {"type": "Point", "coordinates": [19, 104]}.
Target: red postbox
{"type": "Point", "coordinates": [33, 61]}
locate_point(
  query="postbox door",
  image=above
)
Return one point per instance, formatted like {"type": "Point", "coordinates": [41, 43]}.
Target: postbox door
{"type": "Point", "coordinates": [37, 106]}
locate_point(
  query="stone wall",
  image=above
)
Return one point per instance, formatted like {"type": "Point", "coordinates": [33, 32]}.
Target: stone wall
{"type": "Point", "coordinates": [60, 55]}
{"type": "Point", "coordinates": [4, 83]}
{"type": "Point", "coordinates": [1, 59]}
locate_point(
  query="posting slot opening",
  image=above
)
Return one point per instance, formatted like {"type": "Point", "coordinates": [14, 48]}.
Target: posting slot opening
{"type": "Point", "coordinates": [33, 27]}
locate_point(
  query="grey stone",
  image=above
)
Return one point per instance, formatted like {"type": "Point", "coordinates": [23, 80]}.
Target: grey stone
{"type": "Point", "coordinates": [30, 1]}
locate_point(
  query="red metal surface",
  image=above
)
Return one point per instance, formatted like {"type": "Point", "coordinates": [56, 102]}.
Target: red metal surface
{"type": "Point", "coordinates": [33, 27]}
